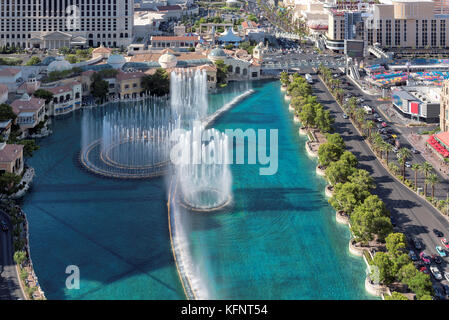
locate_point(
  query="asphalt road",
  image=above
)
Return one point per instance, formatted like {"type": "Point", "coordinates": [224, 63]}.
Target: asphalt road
{"type": "Point", "coordinates": [413, 216]}
{"type": "Point", "coordinates": [9, 282]}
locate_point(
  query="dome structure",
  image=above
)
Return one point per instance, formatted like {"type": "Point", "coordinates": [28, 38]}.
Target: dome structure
{"type": "Point", "coordinates": [167, 60]}
{"type": "Point", "coordinates": [60, 64]}
{"type": "Point", "coordinates": [216, 54]}
{"type": "Point", "coordinates": [116, 61]}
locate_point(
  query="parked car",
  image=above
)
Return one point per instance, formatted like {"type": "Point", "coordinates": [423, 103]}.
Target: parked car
{"type": "Point", "coordinates": [379, 120]}
{"type": "Point", "coordinates": [438, 233]}
{"type": "Point", "coordinates": [414, 151]}
{"type": "Point", "coordinates": [408, 164]}
{"type": "Point", "coordinates": [425, 257]}
{"type": "Point", "coordinates": [436, 273]}
{"type": "Point", "coordinates": [345, 116]}
{"type": "Point", "coordinates": [384, 124]}
{"type": "Point", "coordinates": [436, 258]}
{"type": "Point", "coordinates": [413, 255]}
{"type": "Point", "coordinates": [424, 269]}
{"type": "Point", "coordinates": [446, 289]}
{"type": "Point", "coordinates": [446, 276]}
{"type": "Point", "coordinates": [440, 251]}
{"type": "Point", "coordinates": [439, 294]}
{"type": "Point", "coordinates": [417, 244]}
{"type": "Point", "coordinates": [445, 243]}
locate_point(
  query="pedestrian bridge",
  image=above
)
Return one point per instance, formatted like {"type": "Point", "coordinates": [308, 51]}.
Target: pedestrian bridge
{"type": "Point", "coordinates": [302, 64]}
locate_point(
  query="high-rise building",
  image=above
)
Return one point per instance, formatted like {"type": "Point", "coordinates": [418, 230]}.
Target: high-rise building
{"type": "Point", "coordinates": [53, 24]}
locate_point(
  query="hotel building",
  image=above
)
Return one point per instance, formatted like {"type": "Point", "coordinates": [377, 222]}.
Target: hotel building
{"type": "Point", "coordinates": [53, 24]}
{"type": "Point", "coordinates": [398, 24]}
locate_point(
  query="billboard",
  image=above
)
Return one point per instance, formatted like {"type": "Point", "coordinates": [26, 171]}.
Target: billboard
{"type": "Point", "coordinates": [354, 48]}
{"type": "Point", "coordinates": [414, 107]}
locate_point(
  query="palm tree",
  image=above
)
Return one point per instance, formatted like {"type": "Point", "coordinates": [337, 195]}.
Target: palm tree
{"type": "Point", "coordinates": [432, 179]}
{"type": "Point", "coordinates": [387, 148]}
{"type": "Point", "coordinates": [369, 125]}
{"type": "Point", "coordinates": [426, 168]}
{"type": "Point", "coordinates": [416, 167]}
{"type": "Point", "coordinates": [403, 155]}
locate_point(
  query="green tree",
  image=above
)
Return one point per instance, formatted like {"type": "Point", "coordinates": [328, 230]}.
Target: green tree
{"type": "Point", "coordinates": [158, 83]}
{"type": "Point", "coordinates": [29, 146]}
{"type": "Point", "coordinates": [384, 265]}
{"type": "Point", "coordinates": [336, 139]}
{"type": "Point", "coordinates": [363, 178]}
{"type": "Point", "coordinates": [328, 152]}
{"type": "Point", "coordinates": [432, 179]}
{"type": "Point", "coordinates": [416, 167]}
{"type": "Point", "coordinates": [8, 181]}
{"type": "Point", "coordinates": [396, 243]}
{"type": "Point", "coordinates": [339, 171]}
{"type": "Point", "coordinates": [403, 155]}
{"type": "Point", "coordinates": [426, 168]}
{"type": "Point", "coordinates": [19, 257]}
{"type": "Point", "coordinates": [99, 88]}
{"type": "Point", "coordinates": [6, 112]}
{"type": "Point", "coordinates": [370, 218]}
{"type": "Point", "coordinates": [222, 71]}
{"type": "Point", "coordinates": [33, 61]}
{"type": "Point", "coordinates": [43, 94]}
{"type": "Point", "coordinates": [396, 296]}
{"type": "Point", "coordinates": [348, 196]}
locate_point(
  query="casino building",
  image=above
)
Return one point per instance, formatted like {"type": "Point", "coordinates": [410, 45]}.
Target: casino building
{"type": "Point", "coordinates": [53, 24]}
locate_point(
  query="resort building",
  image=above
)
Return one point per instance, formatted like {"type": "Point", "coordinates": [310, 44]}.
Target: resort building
{"type": "Point", "coordinates": [419, 103]}
{"type": "Point", "coordinates": [129, 84]}
{"type": "Point", "coordinates": [174, 41]}
{"type": "Point", "coordinates": [242, 66]}
{"type": "Point", "coordinates": [66, 98]}
{"type": "Point", "coordinates": [3, 93]}
{"type": "Point", "coordinates": [444, 107]}
{"type": "Point", "coordinates": [29, 86]}
{"type": "Point", "coordinates": [29, 110]}
{"type": "Point", "coordinates": [10, 77]}
{"type": "Point", "coordinates": [102, 52]}
{"type": "Point", "coordinates": [11, 158]}
{"type": "Point", "coordinates": [53, 24]}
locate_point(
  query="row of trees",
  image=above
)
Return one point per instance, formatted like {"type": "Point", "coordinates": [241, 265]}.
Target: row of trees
{"type": "Point", "coordinates": [310, 112]}
{"type": "Point", "coordinates": [367, 213]}
{"type": "Point", "coordinates": [395, 265]}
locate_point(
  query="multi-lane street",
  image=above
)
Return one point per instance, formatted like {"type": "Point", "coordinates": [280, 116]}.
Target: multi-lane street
{"type": "Point", "coordinates": [412, 215]}
{"type": "Point", "coordinates": [9, 282]}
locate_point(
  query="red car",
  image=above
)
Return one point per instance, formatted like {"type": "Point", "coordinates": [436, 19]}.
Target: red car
{"type": "Point", "coordinates": [384, 124]}
{"type": "Point", "coordinates": [424, 270]}
{"type": "Point", "coordinates": [445, 243]}
{"type": "Point", "coordinates": [425, 257]}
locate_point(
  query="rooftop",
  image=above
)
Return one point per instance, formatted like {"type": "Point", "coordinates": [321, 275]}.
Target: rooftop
{"type": "Point", "coordinates": [10, 152]}
{"type": "Point", "coordinates": [9, 72]}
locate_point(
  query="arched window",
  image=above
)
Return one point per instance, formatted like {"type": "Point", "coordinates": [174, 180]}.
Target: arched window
{"type": "Point", "coordinates": [230, 69]}
{"type": "Point", "coordinates": [237, 70]}
{"type": "Point", "coordinates": [245, 71]}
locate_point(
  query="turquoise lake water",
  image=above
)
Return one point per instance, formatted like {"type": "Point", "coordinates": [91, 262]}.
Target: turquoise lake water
{"type": "Point", "coordinates": [279, 240]}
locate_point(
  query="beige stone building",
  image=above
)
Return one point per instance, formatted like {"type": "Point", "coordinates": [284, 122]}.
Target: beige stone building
{"type": "Point", "coordinates": [11, 158]}
{"type": "Point", "coordinates": [444, 107]}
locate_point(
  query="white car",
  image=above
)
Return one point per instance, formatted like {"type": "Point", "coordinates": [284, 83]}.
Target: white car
{"type": "Point", "coordinates": [446, 276]}
{"type": "Point", "coordinates": [408, 164]}
{"type": "Point", "coordinates": [436, 273]}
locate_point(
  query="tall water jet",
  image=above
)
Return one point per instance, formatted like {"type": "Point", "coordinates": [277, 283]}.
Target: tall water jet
{"type": "Point", "coordinates": [188, 93]}
{"type": "Point", "coordinates": [130, 142]}
{"type": "Point", "coordinates": [204, 176]}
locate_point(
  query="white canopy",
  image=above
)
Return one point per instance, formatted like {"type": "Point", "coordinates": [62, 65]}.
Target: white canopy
{"type": "Point", "coordinates": [229, 36]}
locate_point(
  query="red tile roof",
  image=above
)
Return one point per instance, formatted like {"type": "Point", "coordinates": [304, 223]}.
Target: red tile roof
{"type": "Point", "coordinates": [129, 75]}
{"type": "Point", "coordinates": [169, 8]}
{"type": "Point", "coordinates": [32, 105]}
{"type": "Point", "coordinates": [10, 152]}
{"type": "Point", "coordinates": [3, 89]}
{"type": "Point", "coordinates": [174, 38]}
{"type": "Point", "coordinates": [62, 88]}
{"type": "Point", "coordinates": [9, 72]}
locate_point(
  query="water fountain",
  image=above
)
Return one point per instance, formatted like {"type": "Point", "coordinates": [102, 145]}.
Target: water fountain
{"type": "Point", "coordinates": [204, 176]}
{"type": "Point", "coordinates": [188, 93]}
{"type": "Point", "coordinates": [130, 141]}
